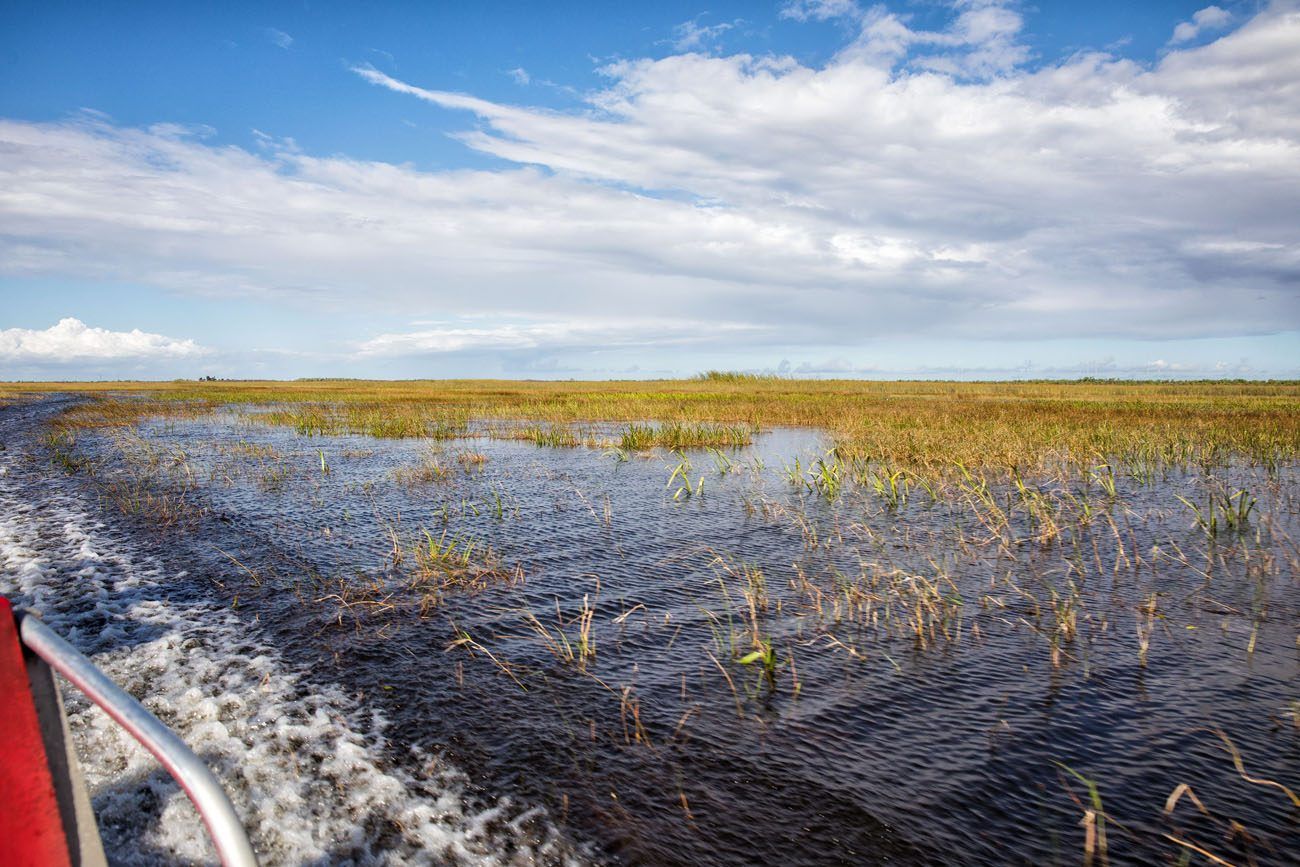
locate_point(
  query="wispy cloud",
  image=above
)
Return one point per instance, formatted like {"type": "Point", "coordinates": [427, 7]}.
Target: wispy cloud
{"type": "Point", "coordinates": [446, 99]}
{"type": "Point", "coordinates": [71, 340]}
{"type": "Point", "coordinates": [553, 335]}
{"type": "Point", "coordinates": [520, 75]}
{"type": "Point", "coordinates": [694, 35]}
{"type": "Point", "coordinates": [278, 38]}
{"type": "Point", "coordinates": [821, 10]}
{"type": "Point", "coordinates": [1107, 366]}
{"type": "Point", "coordinates": [982, 38]}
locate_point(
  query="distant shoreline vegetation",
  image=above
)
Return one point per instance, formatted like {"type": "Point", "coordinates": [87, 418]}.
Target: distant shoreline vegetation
{"type": "Point", "coordinates": [938, 425]}
{"type": "Point", "coordinates": [734, 376]}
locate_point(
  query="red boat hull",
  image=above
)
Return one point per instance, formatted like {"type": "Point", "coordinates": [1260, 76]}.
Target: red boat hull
{"type": "Point", "coordinates": [31, 826]}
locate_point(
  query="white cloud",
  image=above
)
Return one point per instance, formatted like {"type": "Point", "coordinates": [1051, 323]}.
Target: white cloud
{"type": "Point", "coordinates": [694, 36]}
{"type": "Point", "coordinates": [982, 40]}
{"type": "Point", "coordinates": [1209, 18]}
{"type": "Point", "coordinates": [278, 38]}
{"type": "Point", "coordinates": [72, 340]}
{"type": "Point", "coordinates": [554, 335]}
{"type": "Point", "coordinates": [818, 206]}
{"type": "Point", "coordinates": [520, 75]}
{"type": "Point", "coordinates": [821, 10]}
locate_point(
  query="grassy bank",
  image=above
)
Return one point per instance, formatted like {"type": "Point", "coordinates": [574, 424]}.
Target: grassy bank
{"type": "Point", "coordinates": [905, 423]}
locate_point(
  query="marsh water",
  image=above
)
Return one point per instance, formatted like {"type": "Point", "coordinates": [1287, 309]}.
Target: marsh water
{"type": "Point", "coordinates": [676, 657]}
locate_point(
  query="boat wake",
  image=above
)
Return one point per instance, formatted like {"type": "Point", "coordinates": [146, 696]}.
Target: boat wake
{"type": "Point", "coordinates": [305, 766]}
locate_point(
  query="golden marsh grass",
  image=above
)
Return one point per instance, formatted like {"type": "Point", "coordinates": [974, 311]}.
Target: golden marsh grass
{"type": "Point", "coordinates": [907, 424]}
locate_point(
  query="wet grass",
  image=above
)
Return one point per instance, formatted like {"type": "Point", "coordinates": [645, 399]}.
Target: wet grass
{"type": "Point", "coordinates": [684, 435]}
{"type": "Point", "coordinates": [136, 476]}
{"type": "Point", "coordinates": [376, 420]}
{"type": "Point", "coordinates": [1141, 427]}
{"type": "Point", "coordinates": [430, 469]}
{"type": "Point", "coordinates": [446, 561]}
{"type": "Point", "coordinates": [552, 436]}
{"type": "Point", "coordinates": [569, 639]}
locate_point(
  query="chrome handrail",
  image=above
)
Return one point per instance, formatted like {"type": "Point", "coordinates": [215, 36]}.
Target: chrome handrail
{"type": "Point", "coordinates": [218, 814]}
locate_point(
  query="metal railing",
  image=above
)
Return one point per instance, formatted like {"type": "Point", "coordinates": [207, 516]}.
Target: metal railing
{"type": "Point", "coordinates": [224, 827]}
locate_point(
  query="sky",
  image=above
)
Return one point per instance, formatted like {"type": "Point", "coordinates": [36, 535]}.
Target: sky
{"type": "Point", "coordinates": [971, 189]}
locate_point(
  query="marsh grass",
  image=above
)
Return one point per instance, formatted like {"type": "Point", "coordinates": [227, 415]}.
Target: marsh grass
{"type": "Point", "coordinates": [1228, 830]}
{"type": "Point", "coordinates": [634, 731]}
{"type": "Point", "coordinates": [723, 462]}
{"type": "Point", "coordinates": [1095, 848]}
{"type": "Point", "coordinates": [570, 639]}
{"type": "Point", "coordinates": [733, 377]}
{"type": "Point", "coordinates": [930, 426]}
{"type": "Point", "coordinates": [62, 446]}
{"type": "Point", "coordinates": [376, 420]}
{"type": "Point", "coordinates": [358, 598]}
{"type": "Point", "coordinates": [455, 561]}
{"type": "Point", "coordinates": [1223, 512]}
{"type": "Point", "coordinates": [731, 571]}
{"type": "Point", "coordinates": [137, 476]}
{"type": "Point", "coordinates": [676, 436]}
{"type": "Point", "coordinates": [827, 477]}
{"type": "Point", "coordinates": [428, 470]}
{"type": "Point", "coordinates": [242, 448]}
{"type": "Point", "coordinates": [416, 576]}
{"type": "Point", "coordinates": [765, 660]}
{"type": "Point", "coordinates": [462, 639]}
{"type": "Point", "coordinates": [681, 476]}
{"type": "Point", "coordinates": [891, 486]}
{"type": "Point", "coordinates": [555, 436]}
{"type": "Point", "coordinates": [744, 636]}
{"type": "Point", "coordinates": [263, 464]}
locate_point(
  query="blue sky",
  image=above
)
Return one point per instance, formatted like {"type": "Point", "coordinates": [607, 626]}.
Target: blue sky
{"type": "Point", "coordinates": [967, 189]}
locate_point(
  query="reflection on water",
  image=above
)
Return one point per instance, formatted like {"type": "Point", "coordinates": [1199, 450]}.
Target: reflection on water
{"type": "Point", "coordinates": [706, 663]}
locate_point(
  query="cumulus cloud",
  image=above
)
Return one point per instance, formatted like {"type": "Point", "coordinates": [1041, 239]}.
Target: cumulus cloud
{"type": "Point", "coordinates": [813, 205]}
{"type": "Point", "coordinates": [1209, 18]}
{"type": "Point", "coordinates": [71, 340]}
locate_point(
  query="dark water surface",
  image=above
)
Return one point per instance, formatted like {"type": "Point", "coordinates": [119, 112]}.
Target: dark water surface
{"type": "Point", "coordinates": [897, 727]}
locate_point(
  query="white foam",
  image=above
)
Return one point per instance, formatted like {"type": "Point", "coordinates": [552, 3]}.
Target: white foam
{"type": "Point", "coordinates": [303, 765]}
